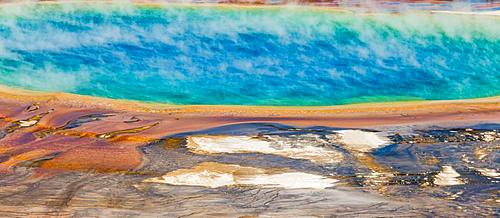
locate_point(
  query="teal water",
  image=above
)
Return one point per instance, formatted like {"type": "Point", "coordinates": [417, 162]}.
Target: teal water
{"type": "Point", "coordinates": [273, 56]}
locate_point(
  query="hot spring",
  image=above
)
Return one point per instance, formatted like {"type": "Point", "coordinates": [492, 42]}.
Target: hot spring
{"type": "Point", "coordinates": [286, 55]}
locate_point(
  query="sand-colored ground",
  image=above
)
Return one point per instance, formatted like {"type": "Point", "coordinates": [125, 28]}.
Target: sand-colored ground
{"type": "Point", "coordinates": [353, 115]}
{"type": "Point", "coordinates": [35, 124]}
{"type": "Point", "coordinates": [70, 155]}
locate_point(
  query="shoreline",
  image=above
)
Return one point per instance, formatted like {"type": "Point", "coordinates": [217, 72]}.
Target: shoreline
{"type": "Point", "coordinates": [66, 132]}
{"type": "Point", "coordinates": [90, 150]}
{"type": "Point", "coordinates": [349, 115]}
{"type": "Point", "coordinates": [106, 135]}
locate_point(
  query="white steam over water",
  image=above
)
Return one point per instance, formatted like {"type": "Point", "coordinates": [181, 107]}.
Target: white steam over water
{"type": "Point", "coordinates": [266, 56]}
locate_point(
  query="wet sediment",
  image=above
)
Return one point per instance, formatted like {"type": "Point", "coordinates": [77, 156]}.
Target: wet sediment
{"type": "Point", "coordinates": [74, 161]}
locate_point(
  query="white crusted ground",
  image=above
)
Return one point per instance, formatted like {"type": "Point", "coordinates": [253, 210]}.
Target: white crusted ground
{"type": "Point", "coordinates": [215, 175]}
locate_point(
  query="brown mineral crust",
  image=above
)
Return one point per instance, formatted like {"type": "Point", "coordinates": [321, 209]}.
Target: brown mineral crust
{"type": "Point", "coordinates": [111, 144]}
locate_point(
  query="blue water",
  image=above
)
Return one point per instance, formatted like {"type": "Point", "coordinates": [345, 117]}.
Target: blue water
{"type": "Point", "coordinates": [273, 56]}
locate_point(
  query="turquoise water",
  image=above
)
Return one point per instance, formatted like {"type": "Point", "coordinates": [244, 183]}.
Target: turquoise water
{"type": "Point", "coordinates": [273, 56]}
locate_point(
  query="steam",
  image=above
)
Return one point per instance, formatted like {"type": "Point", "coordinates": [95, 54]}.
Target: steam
{"type": "Point", "coordinates": [186, 54]}
{"type": "Point", "coordinates": [47, 78]}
